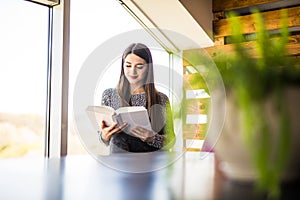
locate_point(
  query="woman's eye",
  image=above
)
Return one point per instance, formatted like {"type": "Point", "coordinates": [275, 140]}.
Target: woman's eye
{"type": "Point", "coordinates": [127, 65]}
{"type": "Point", "coordinates": [139, 66]}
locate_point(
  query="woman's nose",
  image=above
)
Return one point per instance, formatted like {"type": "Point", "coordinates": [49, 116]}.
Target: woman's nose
{"type": "Point", "coordinates": [133, 69]}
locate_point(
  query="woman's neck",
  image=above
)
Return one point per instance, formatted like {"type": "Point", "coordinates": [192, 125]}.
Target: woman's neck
{"type": "Point", "coordinates": [137, 90]}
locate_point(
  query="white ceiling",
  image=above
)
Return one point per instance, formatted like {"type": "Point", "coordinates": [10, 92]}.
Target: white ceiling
{"type": "Point", "coordinates": [171, 23]}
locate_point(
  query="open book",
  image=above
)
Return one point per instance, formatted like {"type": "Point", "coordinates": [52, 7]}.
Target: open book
{"type": "Point", "coordinates": [132, 115]}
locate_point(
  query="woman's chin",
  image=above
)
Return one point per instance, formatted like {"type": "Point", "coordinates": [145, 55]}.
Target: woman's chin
{"type": "Point", "coordinates": [135, 83]}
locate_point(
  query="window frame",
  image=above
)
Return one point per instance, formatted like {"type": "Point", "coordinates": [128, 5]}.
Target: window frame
{"type": "Point", "coordinates": [56, 130]}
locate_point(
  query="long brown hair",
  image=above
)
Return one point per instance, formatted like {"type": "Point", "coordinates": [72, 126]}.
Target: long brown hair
{"type": "Point", "coordinates": [123, 86]}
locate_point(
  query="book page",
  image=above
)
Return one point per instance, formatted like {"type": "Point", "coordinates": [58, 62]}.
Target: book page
{"type": "Point", "coordinates": [98, 113]}
{"type": "Point", "coordinates": [134, 116]}
{"type": "Point", "coordinates": [130, 109]}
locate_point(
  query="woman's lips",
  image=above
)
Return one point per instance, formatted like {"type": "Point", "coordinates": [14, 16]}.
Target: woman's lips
{"type": "Point", "coordinates": [133, 77]}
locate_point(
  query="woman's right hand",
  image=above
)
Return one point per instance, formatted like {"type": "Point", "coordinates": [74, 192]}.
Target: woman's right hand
{"type": "Point", "coordinates": [109, 131]}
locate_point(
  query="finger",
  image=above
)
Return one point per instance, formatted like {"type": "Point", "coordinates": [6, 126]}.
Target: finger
{"type": "Point", "coordinates": [138, 134]}
{"type": "Point", "coordinates": [143, 131]}
{"type": "Point", "coordinates": [103, 125]}
{"type": "Point", "coordinates": [139, 128]}
{"type": "Point", "coordinates": [112, 132]}
{"type": "Point", "coordinates": [113, 126]}
{"type": "Point", "coordinates": [117, 129]}
{"type": "Point", "coordinates": [135, 131]}
{"type": "Point", "coordinates": [123, 126]}
{"type": "Point", "coordinates": [141, 137]}
{"type": "Point", "coordinates": [145, 135]}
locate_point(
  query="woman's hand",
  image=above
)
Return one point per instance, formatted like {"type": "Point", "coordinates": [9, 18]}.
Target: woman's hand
{"type": "Point", "coordinates": [109, 131]}
{"type": "Point", "coordinates": [144, 134]}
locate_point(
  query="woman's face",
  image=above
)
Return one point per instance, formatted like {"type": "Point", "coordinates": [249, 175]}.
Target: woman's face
{"type": "Point", "coordinates": [135, 69]}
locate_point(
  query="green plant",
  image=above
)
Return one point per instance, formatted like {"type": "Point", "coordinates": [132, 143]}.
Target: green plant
{"type": "Point", "coordinates": [252, 76]}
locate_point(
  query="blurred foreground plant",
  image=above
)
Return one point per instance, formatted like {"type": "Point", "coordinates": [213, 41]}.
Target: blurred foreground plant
{"type": "Point", "coordinates": [252, 77]}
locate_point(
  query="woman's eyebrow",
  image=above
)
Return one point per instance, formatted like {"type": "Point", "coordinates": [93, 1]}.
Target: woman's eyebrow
{"type": "Point", "coordinates": [128, 62]}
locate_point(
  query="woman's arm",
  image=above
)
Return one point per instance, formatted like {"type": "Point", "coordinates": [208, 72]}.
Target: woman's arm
{"type": "Point", "coordinates": [106, 132]}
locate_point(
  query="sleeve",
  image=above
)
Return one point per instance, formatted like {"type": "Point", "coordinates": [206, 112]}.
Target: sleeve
{"type": "Point", "coordinates": [165, 139]}
{"type": "Point", "coordinates": [100, 138]}
{"type": "Point", "coordinates": [106, 97]}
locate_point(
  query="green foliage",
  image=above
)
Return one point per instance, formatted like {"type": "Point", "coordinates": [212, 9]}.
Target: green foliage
{"type": "Point", "coordinates": [252, 80]}
{"type": "Point", "coordinates": [170, 135]}
{"type": "Point", "coordinates": [252, 76]}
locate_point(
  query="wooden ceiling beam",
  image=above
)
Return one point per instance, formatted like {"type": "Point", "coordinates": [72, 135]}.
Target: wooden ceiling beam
{"type": "Point", "coordinates": [272, 22]}
{"type": "Point", "coordinates": [221, 5]}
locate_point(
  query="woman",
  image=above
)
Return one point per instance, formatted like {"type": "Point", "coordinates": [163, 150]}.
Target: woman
{"type": "Point", "coordinates": [136, 88]}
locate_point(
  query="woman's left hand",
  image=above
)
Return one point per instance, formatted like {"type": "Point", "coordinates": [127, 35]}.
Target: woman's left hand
{"type": "Point", "coordinates": [144, 134]}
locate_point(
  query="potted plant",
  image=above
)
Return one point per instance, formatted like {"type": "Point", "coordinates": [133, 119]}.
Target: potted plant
{"type": "Point", "coordinates": [260, 140]}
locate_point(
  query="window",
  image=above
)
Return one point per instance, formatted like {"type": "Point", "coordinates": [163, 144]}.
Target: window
{"type": "Point", "coordinates": [23, 78]}
{"type": "Point", "coordinates": [23, 68]}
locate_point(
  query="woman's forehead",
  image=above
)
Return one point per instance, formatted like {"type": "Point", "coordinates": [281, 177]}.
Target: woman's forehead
{"type": "Point", "coordinates": [133, 58]}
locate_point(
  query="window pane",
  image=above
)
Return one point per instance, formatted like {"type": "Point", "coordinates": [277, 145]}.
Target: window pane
{"type": "Point", "coordinates": [23, 78]}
